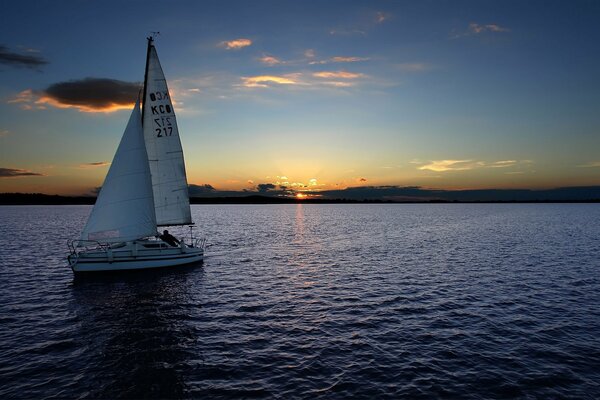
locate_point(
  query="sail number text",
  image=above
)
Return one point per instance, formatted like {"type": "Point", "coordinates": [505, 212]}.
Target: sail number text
{"type": "Point", "coordinates": [164, 126]}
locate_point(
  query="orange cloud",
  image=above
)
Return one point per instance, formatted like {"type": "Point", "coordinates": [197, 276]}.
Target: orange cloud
{"type": "Point", "coordinates": [338, 74]}
{"type": "Point", "coordinates": [339, 59]}
{"type": "Point", "coordinates": [348, 59]}
{"type": "Point", "coordinates": [464, 165]}
{"type": "Point", "coordinates": [236, 44]}
{"type": "Point", "coordinates": [108, 108]}
{"type": "Point", "coordinates": [339, 84]}
{"type": "Point", "coordinates": [264, 80]}
{"type": "Point", "coordinates": [270, 60]}
{"type": "Point", "coordinates": [450, 165]}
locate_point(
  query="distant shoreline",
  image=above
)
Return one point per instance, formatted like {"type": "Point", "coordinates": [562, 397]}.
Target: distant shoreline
{"type": "Point", "coordinates": [45, 199]}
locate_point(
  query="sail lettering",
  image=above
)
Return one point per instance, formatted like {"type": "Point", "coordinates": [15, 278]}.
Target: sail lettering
{"type": "Point", "coordinates": [163, 95]}
{"type": "Point", "coordinates": [162, 121]}
{"type": "Point", "coordinates": [161, 109]}
{"type": "Point", "coordinates": [166, 131]}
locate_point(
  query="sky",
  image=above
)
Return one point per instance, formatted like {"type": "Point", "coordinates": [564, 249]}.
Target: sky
{"type": "Point", "coordinates": [308, 96]}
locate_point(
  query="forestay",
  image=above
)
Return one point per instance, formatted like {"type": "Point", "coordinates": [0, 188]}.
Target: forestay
{"type": "Point", "coordinates": [165, 154]}
{"type": "Point", "coordinates": [124, 209]}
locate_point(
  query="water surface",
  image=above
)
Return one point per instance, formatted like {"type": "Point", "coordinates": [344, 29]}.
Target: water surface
{"type": "Point", "coordinates": [335, 301]}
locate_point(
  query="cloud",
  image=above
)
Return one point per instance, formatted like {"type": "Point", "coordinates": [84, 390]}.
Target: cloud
{"type": "Point", "coordinates": [449, 165]}
{"type": "Point", "coordinates": [338, 84]}
{"type": "Point", "coordinates": [478, 29]}
{"type": "Point", "coordinates": [413, 67]}
{"type": "Point", "coordinates": [25, 99]}
{"type": "Point", "coordinates": [4, 132]}
{"type": "Point", "coordinates": [19, 60]}
{"type": "Point", "coordinates": [236, 44]}
{"type": "Point", "coordinates": [94, 164]}
{"type": "Point", "coordinates": [200, 190]}
{"type": "Point", "coordinates": [464, 165]}
{"type": "Point", "coordinates": [306, 81]}
{"type": "Point", "coordinates": [362, 179]}
{"type": "Point", "coordinates": [16, 173]}
{"type": "Point", "coordinates": [338, 75]}
{"type": "Point", "coordinates": [381, 17]}
{"type": "Point", "coordinates": [590, 164]}
{"type": "Point", "coordinates": [502, 164]}
{"type": "Point", "coordinates": [265, 187]}
{"type": "Point", "coordinates": [347, 32]}
{"type": "Point", "coordinates": [348, 59]}
{"type": "Point", "coordinates": [363, 25]}
{"type": "Point", "coordinates": [339, 59]}
{"type": "Point", "coordinates": [309, 56]}
{"type": "Point", "coordinates": [270, 60]}
{"type": "Point", "coordinates": [85, 95]}
{"type": "Point", "coordinates": [265, 80]}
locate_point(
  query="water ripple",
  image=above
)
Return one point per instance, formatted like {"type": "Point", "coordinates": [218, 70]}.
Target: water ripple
{"type": "Point", "coordinates": [337, 301]}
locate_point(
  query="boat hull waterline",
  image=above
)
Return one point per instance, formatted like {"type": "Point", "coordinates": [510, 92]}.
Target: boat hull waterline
{"type": "Point", "coordinates": [130, 258]}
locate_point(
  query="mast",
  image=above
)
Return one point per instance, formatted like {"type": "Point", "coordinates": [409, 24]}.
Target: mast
{"type": "Point", "coordinates": [150, 40]}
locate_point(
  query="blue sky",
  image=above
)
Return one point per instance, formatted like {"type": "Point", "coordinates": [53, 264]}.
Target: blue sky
{"type": "Point", "coordinates": [314, 95]}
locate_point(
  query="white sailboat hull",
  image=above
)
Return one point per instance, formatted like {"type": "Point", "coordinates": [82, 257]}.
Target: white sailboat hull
{"type": "Point", "coordinates": [134, 256]}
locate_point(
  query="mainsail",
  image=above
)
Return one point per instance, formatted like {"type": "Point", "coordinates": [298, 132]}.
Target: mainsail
{"type": "Point", "coordinates": [124, 209]}
{"type": "Point", "coordinates": [167, 167]}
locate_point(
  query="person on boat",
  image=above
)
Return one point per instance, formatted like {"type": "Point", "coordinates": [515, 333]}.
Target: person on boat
{"type": "Point", "coordinates": [169, 239]}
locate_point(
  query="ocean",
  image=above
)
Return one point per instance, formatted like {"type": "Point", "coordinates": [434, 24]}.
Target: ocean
{"type": "Point", "coordinates": [362, 301]}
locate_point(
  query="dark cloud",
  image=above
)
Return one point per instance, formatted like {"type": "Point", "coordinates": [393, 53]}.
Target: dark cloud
{"type": "Point", "coordinates": [94, 93]}
{"type": "Point", "coordinates": [13, 173]}
{"type": "Point", "coordinates": [200, 190]}
{"type": "Point", "coordinates": [265, 187]}
{"type": "Point", "coordinates": [207, 190]}
{"type": "Point", "coordinates": [94, 164]}
{"type": "Point", "coordinates": [11, 58]}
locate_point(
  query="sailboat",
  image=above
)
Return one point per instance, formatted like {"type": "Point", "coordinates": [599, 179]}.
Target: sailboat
{"type": "Point", "coordinates": [144, 189]}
